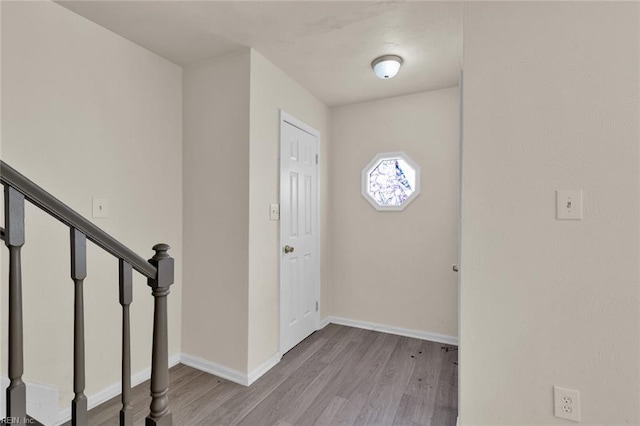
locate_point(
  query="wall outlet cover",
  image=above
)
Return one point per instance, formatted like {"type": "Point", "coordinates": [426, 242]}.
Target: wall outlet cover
{"type": "Point", "coordinates": [566, 404]}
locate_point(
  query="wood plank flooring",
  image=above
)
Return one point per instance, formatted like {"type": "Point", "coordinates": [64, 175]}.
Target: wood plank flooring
{"type": "Point", "coordinates": [337, 376]}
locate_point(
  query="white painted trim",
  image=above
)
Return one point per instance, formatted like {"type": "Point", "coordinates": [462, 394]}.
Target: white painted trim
{"type": "Point", "coordinates": [284, 116]}
{"type": "Point", "coordinates": [109, 392]}
{"type": "Point", "coordinates": [458, 421]}
{"type": "Point", "coordinates": [264, 367]}
{"type": "Point", "coordinates": [319, 228]}
{"type": "Point", "coordinates": [216, 369]}
{"type": "Point", "coordinates": [245, 379]}
{"type": "Point", "coordinates": [325, 322]}
{"type": "Point", "coordinates": [364, 180]}
{"type": "Point", "coordinates": [400, 331]}
{"type": "Point", "coordinates": [42, 400]}
{"type": "Point", "coordinates": [231, 374]}
{"type": "Point", "coordinates": [459, 246]}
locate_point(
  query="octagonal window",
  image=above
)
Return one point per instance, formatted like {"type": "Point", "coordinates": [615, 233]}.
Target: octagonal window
{"type": "Point", "coordinates": [391, 181]}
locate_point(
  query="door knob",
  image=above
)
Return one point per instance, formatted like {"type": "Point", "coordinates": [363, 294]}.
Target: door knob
{"type": "Point", "coordinates": [288, 249]}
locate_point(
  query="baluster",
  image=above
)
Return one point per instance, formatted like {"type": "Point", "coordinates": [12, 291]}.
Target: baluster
{"type": "Point", "coordinates": [159, 414]}
{"type": "Point", "coordinates": [14, 239]}
{"type": "Point", "coordinates": [78, 274]}
{"type": "Point", "coordinates": [126, 297]}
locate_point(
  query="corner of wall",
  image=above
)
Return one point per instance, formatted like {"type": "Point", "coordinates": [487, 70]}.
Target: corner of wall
{"type": "Point", "coordinates": [216, 149]}
{"type": "Point", "coordinates": [272, 91]}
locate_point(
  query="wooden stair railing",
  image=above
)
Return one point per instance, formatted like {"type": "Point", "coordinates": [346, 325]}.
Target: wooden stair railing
{"type": "Point", "coordinates": [159, 271]}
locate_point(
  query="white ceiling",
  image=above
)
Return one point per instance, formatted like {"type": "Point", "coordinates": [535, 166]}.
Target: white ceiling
{"type": "Point", "coordinates": [327, 46]}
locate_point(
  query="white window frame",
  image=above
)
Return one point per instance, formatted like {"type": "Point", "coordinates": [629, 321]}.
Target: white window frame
{"type": "Point", "coordinates": [373, 163]}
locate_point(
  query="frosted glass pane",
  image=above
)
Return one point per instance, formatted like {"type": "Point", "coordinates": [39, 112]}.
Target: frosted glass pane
{"type": "Point", "coordinates": [391, 182]}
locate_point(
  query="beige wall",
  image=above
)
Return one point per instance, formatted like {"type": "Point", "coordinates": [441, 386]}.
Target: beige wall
{"type": "Point", "coordinates": [394, 268]}
{"type": "Point", "coordinates": [550, 102]}
{"type": "Point", "coordinates": [232, 108]}
{"type": "Point", "coordinates": [271, 91]}
{"type": "Point", "coordinates": [87, 113]}
{"type": "Point", "coordinates": [216, 210]}
{"type": "Point", "coordinates": [544, 302]}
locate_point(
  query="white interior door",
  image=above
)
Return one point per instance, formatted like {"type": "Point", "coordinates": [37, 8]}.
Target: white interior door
{"type": "Point", "coordinates": [299, 262]}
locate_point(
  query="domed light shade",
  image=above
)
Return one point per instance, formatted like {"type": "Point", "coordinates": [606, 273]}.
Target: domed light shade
{"type": "Point", "coordinates": [386, 66]}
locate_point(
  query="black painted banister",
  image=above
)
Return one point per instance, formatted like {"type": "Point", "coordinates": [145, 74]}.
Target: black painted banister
{"type": "Point", "coordinates": [159, 271]}
{"type": "Point", "coordinates": [14, 240]}
{"type": "Point", "coordinates": [56, 208]}
{"type": "Point", "coordinates": [78, 274]}
{"type": "Point", "coordinates": [126, 297]}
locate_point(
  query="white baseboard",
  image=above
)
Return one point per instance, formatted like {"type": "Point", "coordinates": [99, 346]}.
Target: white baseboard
{"type": "Point", "coordinates": [109, 392]}
{"type": "Point", "coordinates": [216, 369]}
{"type": "Point", "coordinates": [417, 334]}
{"type": "Point", "coordinates": [264, 367]}
{"type": "Point", "coordinates": [45, 398]}
{"type": "Point", "coordinates": [325, 322]}
{"type": "Point", "coordinates": [231, 374]}
{"type": "Point", "coordinates": [245, 379]}
{"type": "Point", "coordinates": [42, 401]}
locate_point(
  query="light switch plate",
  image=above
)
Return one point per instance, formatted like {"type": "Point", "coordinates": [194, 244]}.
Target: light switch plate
{"type": "Point", "coordinates": [100, 207]}
{"type": "Point", "coordinates": [569, 204]}
{"type": "Point", "coordinates": [274, 212]}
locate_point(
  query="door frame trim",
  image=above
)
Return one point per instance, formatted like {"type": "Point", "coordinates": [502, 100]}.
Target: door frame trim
{"type": "Point", "coordinates": [460, 223]}
{"type": "Point", "coordinates": [290, 119]}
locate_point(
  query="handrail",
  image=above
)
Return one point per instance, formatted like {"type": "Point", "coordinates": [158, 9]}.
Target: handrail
{"type": "Point", "coordinates": [56, 208]}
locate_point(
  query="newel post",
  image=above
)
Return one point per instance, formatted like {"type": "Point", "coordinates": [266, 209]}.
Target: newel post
{"type": "Point", "coordinates": [159, 414]}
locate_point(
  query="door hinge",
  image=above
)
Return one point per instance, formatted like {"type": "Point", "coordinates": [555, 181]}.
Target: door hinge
{"type": "Point", "coordinates": [316, 306]}
{"type": "Point", "coordinates": [316, 158]}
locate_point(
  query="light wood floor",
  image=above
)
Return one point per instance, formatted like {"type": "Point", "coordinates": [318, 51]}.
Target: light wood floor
{"type": "Point", "coordinates": [337, 376]}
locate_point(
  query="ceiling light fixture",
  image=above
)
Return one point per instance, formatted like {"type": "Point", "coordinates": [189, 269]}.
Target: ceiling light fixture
{"type": "Point", "coordinates": [386, 66]}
